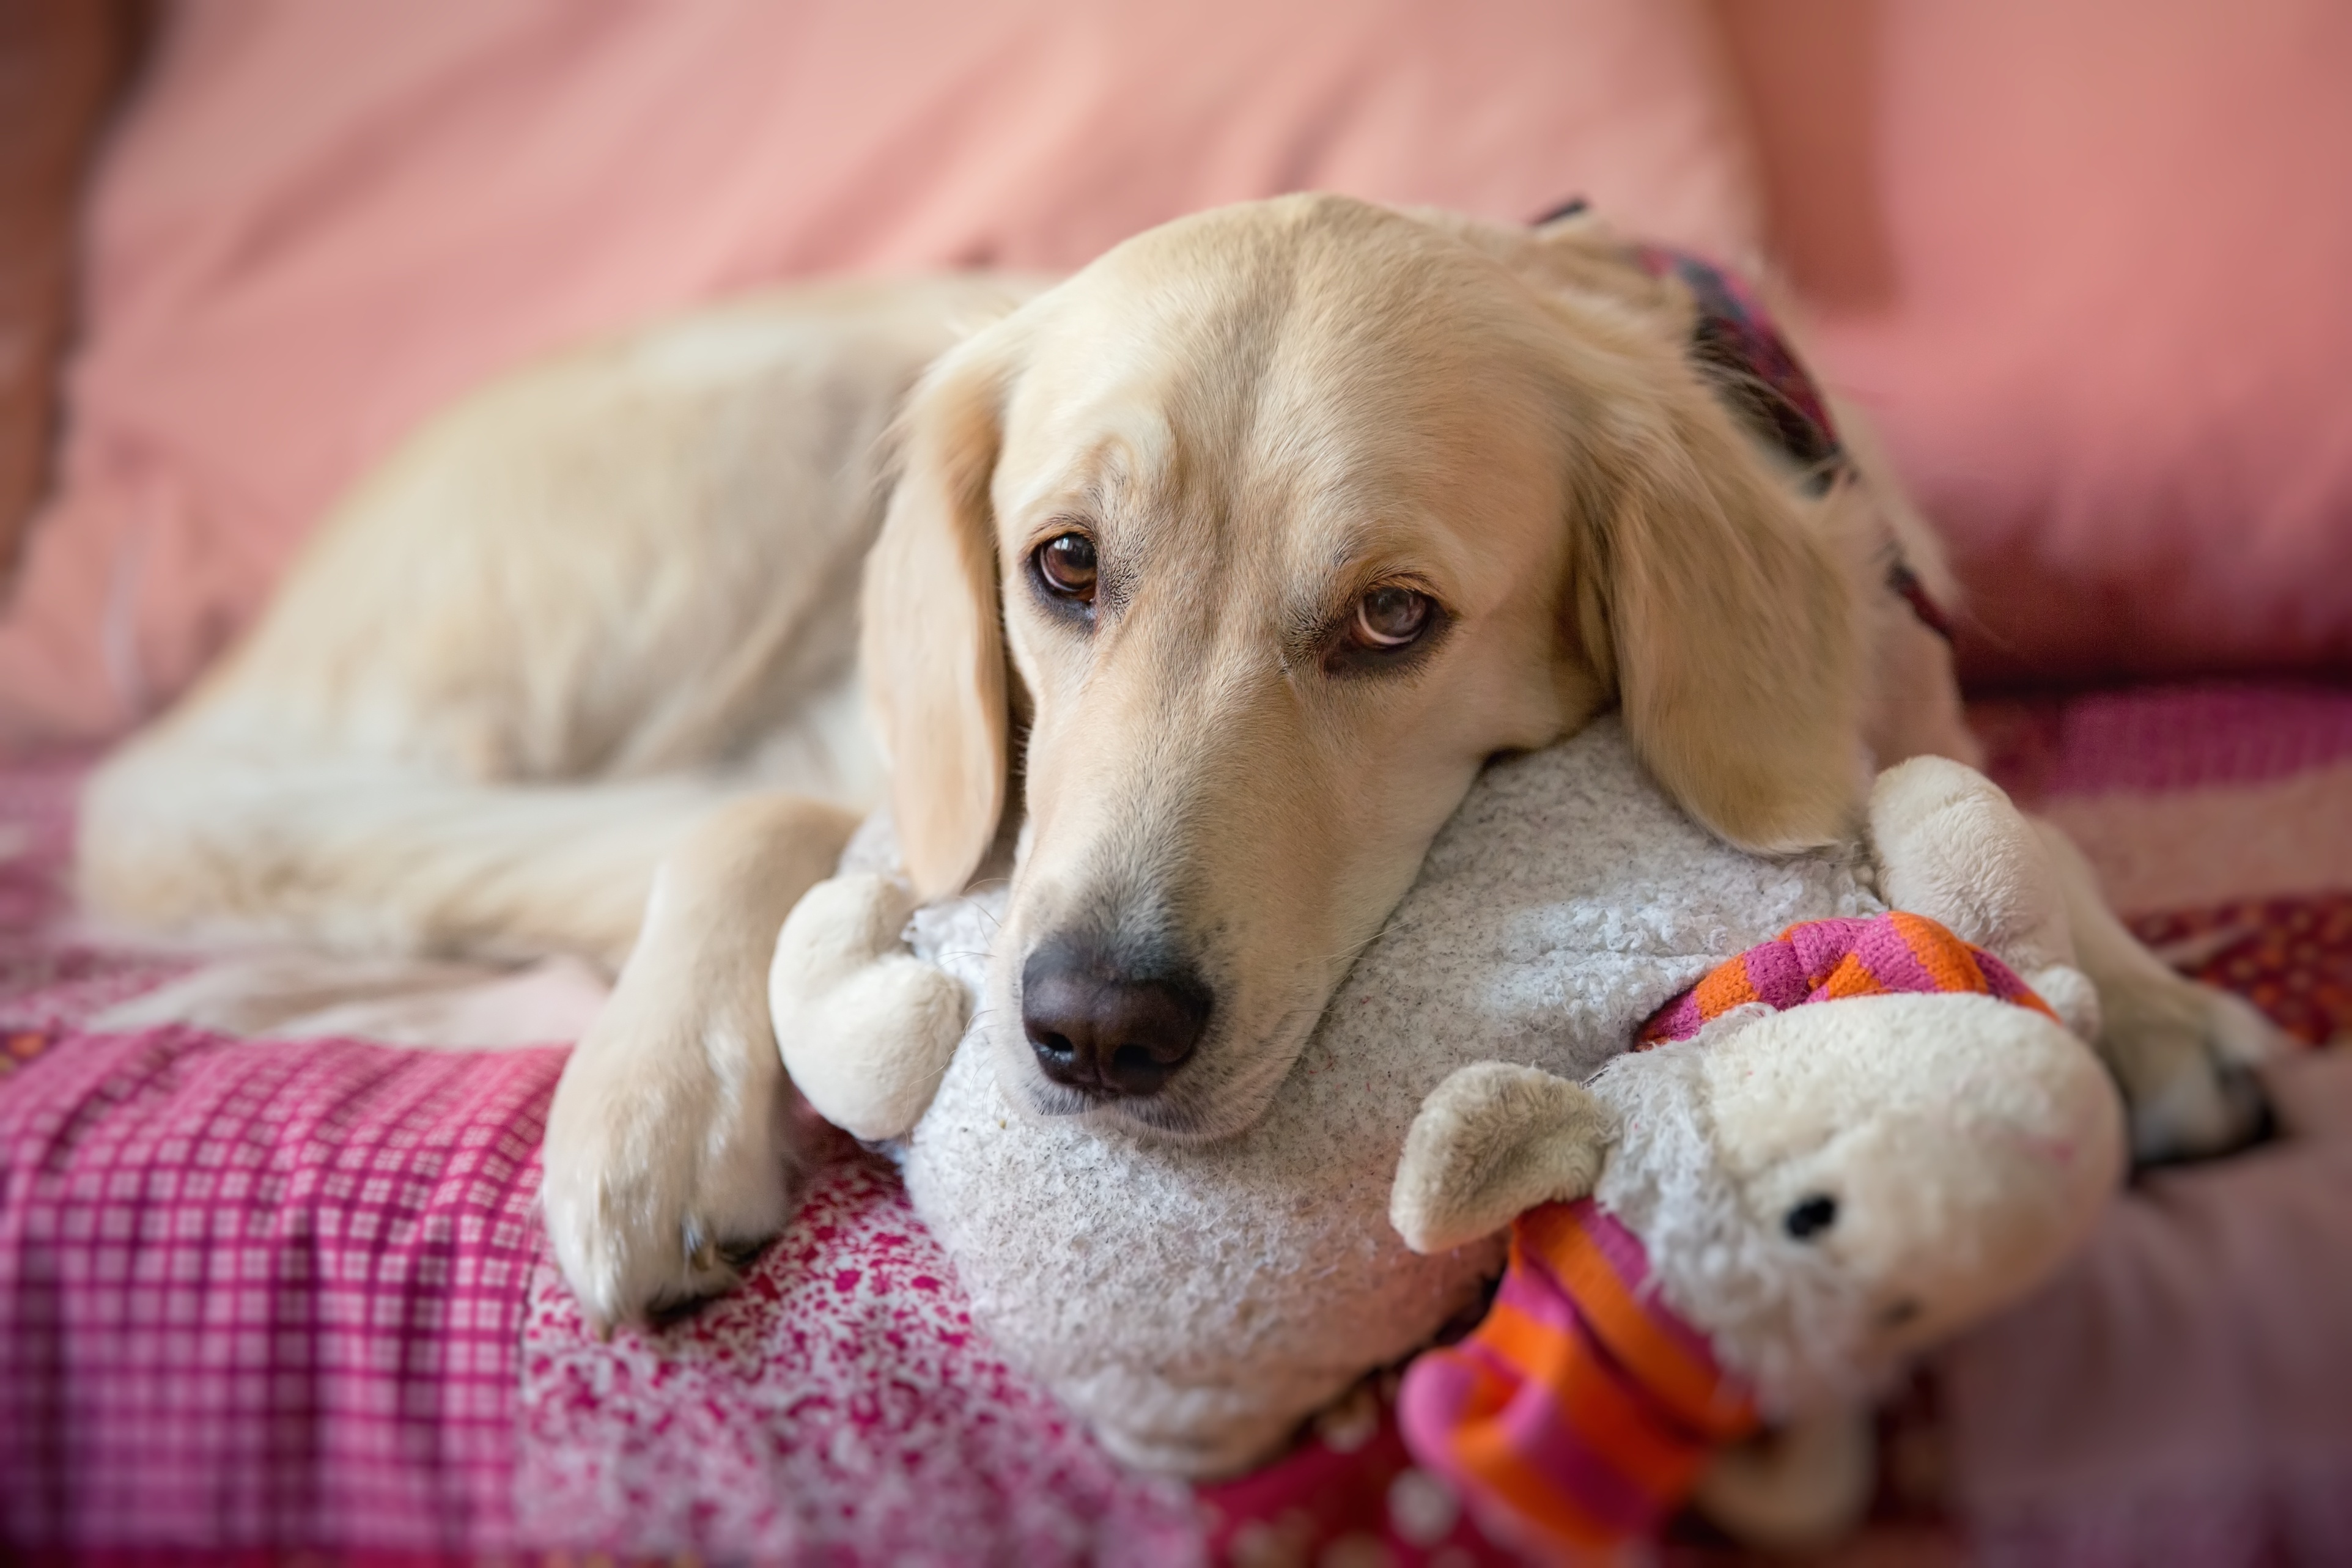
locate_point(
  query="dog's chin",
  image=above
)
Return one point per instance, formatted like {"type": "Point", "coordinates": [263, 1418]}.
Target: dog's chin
{"type": "Point", "coordinates": [1220, 1094]}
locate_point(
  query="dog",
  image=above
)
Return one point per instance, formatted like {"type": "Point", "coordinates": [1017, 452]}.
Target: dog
{"type": "Point", "coordinates": [1190, 591]}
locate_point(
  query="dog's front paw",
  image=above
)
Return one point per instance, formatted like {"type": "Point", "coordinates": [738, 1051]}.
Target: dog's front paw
{"type": "Point", "coordinates": [2185, 1054]}
{"type": "Point", "coordinates": [667, 1157]}
{"type": "Point", "coordinates": [866, 1028]}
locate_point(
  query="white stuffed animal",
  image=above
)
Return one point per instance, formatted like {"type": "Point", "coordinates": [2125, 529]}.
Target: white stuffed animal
{"type": "Point", "coordinates": [1194, 1303]}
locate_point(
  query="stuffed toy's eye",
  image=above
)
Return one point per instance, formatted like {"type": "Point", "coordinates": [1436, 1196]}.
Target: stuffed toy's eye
{"type": "Point", "coordinates": [1066, 564]}
{"type": "Point", "coordinates": [1811, 1217]}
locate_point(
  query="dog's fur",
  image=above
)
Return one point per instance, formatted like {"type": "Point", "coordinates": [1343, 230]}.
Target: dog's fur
{"type": "Point", "coordinates": [573, 671]}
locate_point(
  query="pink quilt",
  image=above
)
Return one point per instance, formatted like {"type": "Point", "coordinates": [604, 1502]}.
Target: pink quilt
{"type": "Point", "coordinates": [266, 1297]}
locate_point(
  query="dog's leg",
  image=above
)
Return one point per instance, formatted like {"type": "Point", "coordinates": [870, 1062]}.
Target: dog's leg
{"type": "Point", "coordinates": [664, 1139]}
{"type": "Point", "coordinates": [666, 1150]}
{"type": "Point", "coordinates": [362, 858]}
{"type": "Point", "coordinates": [2184, 1052]}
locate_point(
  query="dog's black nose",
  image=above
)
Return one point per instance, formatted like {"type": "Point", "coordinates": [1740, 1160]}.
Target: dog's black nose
{"type": "Point", "coordinates": [1101, 1030]}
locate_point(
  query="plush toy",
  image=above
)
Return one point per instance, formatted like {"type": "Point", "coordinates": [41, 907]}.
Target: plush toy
{"type": "Point", "coordinates": [1807, 1193]}
{"type": "Point", "coordinates": [1763, 1215]}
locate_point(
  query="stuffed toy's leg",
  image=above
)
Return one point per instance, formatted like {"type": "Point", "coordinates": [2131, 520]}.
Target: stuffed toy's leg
{"type": "Point", "coordinates": [1950, 846]}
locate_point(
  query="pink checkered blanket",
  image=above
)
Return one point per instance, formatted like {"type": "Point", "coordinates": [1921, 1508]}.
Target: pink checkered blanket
{"type": "Point", "coordinates": [259, 1296]}
{"type": "Point", "coordinates": [254, 1293]}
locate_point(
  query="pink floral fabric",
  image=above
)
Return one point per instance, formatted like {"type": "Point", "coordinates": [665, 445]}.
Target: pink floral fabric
{"type": "Point", "coordinates": [839, 1408]}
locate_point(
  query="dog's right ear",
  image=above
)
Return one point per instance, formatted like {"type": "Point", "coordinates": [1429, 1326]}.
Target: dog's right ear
{"type": "Point", "coordinates": [1726, 616]}
{"type": "Point", "coordinates": [932, 637]}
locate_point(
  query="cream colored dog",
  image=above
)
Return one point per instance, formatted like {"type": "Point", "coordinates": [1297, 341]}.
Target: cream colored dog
{"type": "Point", "coordinates": [1214, 573]}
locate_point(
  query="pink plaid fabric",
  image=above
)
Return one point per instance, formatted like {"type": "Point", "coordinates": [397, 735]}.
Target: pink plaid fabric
{"type": "Point", "coordinates": [259, 1294]}
{"type": "Point", "coordinates": [2152, 741]}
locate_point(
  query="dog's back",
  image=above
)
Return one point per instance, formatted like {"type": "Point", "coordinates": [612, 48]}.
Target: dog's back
{"type": "Point", "coordinates": [572, 611]}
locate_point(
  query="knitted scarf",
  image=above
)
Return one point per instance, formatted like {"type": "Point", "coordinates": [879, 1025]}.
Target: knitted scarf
{"type": "Point", "coordinates": [1577, 1417]}
{"type": "Point", "coordinates": [1822, 960]}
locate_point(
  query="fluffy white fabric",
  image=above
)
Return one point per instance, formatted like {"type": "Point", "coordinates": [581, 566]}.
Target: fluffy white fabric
{"type": "Point", "coordinates": [1194, 1303]}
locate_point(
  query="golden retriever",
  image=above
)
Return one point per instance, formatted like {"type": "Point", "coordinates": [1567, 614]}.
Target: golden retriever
{"type": "Point", "coordinates": [1207, 580]}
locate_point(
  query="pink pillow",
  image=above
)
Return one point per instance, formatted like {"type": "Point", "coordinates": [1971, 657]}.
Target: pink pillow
{"type": "Point", "coordinates": [2090, 265]}
{"type": "Point", "coordinates": [323, 220]}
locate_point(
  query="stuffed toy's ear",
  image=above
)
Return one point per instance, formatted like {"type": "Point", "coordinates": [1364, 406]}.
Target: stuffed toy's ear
{"type": "Point", "coordinates": [1492, 1142]}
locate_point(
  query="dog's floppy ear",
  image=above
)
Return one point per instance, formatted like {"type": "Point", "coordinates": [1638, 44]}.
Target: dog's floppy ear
{"type": "Point", "coordinates": [932, 640]}
{"type": "Point", "coordinates": [1491, 1142]}
{"type": "Point", "coordinates": [1726, 617]}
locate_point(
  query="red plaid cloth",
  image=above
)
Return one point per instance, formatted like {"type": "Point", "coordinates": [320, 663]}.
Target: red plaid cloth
{"type": "Point", "coordinates": [1350, 1492]}
{"type": "Point", "coordinates": [259, 1293]}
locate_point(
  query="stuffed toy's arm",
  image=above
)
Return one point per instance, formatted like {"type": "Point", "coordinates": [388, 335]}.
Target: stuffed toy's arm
{"type": "Point", "coordinates": [1951, 846]}
{"type": "Point", "coordinates": [866, 1028]}
{"type": "Point", "coordinates": [1797, 1488]}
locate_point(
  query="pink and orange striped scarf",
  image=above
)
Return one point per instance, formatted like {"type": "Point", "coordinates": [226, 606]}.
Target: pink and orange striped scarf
{"type": "Point", "coordinates": [1577, 1417]}
{"type": "Point", "coordinates": [1822, 960]}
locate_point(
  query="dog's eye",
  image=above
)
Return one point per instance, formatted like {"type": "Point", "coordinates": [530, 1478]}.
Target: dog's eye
{"type": "Point", "coordinates": [1391, 616]}
{"type": "Point", "coordinates": [1066, 564]}
{"type": "Point", "coordinates": [1811, 1217]}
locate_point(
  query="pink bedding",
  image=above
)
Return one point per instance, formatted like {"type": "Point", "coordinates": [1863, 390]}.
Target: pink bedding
{"type": "Point", "coordinates": [319, 222]}
{"type": "Point", "coordinates": [260, 1293]}
{"type": "Point", "coordinates": [260, 1296]}
{"type": "Point", "coordinates": [2085, 263]}
{"type": "Point", "coordinates": [2080, 261]}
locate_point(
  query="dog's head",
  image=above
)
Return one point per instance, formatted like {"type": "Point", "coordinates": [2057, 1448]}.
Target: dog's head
{"type": "Point", "coordinates": [1238, 553]}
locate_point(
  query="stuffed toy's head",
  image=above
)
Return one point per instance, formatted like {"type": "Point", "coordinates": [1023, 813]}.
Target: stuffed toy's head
{"type": "Point", "coordinates": [1761, 1210]}
{"type": "Point", "coordinates": [1195, 1302]}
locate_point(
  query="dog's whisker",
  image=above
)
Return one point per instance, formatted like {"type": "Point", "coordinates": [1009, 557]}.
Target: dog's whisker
{"type": "Point", "coordinates": [1351, 954]}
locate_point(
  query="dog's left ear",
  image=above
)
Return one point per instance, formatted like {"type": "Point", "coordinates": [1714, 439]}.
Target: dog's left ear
{"type": "Point", "coordinates": [932, 637]}
{"type": "Point", "coordinates": [1726, 616]}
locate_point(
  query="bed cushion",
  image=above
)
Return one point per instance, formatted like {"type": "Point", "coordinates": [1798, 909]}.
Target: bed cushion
{"type": "Point", "coordinates": [321, 222]}
{"type": "Point", "coordinates": [2086, 265]}
{"type": "Point", "coordinates": [253, 1293]}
